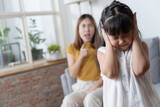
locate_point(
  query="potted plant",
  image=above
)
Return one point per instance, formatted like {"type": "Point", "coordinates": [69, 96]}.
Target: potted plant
{"type": "Point", "coordinates": [4, 34]}
{"type": "Point", "coordinates": [6, 53]}
{"type": "Point", "coordinates": [35, 39]}
{"type": "Point", "coordinates": [53, 52]}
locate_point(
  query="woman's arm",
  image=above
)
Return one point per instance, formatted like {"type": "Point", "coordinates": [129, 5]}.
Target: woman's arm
{"type": "Point", "coordinates": [140, 61]}
{"type": "Point", "coordinates": [108, 61]}
{"type": "Point", "coordinates": [74, 66]}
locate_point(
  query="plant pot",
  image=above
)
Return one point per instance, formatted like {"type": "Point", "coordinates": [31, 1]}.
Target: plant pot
{"type": "Point", "coordinates": [53, 55]}
{"type": "Point", "coordinates": [6, 58]}
{"type": "Point", "coordinates": [37, 54]}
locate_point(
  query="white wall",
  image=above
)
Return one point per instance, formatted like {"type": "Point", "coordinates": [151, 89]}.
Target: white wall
{"type": "Point", "coordinates": [148, 16]}
{"type": "Point", "coordinates": [70, 14]}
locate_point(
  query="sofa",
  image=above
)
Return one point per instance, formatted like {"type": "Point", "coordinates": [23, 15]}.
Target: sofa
{"type": "Point", "coordinates": [67, 82]}
{"type": "Point", "coordinates": [154, 57]}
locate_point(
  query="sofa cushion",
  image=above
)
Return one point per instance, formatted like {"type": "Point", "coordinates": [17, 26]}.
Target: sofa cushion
{"type": "Point", "coordinates": [153, 46]}
{"type": "Point", "coordinates": [157, 87]}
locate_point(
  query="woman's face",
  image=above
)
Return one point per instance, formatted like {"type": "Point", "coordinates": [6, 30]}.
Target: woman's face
{"type": "Point", "coordinates": [122, 41]}
{"type": "Point", "coordinates": [86, 30]}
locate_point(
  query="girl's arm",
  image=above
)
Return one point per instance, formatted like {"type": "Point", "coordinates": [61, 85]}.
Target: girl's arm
{"type": "Point", "coordinates": [108, 61]}
{"type": "Point", "coordinates": [73, 65]}
{"type": "Point", "coordinates": [140, 61]}
{"type": "Point", "coordinates": [98, 84]}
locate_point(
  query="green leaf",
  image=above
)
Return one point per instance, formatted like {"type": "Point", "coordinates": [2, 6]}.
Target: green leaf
{"type": "Point", "coordinates": [6, 31]}
{"type": "Point", "coordinates": [53, 47]}
{"type": "Point", "coordinates": [18, 37]}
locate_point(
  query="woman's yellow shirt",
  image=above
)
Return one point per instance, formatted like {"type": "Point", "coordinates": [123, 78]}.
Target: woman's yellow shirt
{"type": "Point", "coordinates": [88, 70]}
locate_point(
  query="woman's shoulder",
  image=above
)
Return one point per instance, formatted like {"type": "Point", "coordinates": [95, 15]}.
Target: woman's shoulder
{"type": "Point", "coordinates": [101, 49]}
{"type": "Point", "coordinates": [70, 48]}
{"type": "Point", "coordinates": [70, 45]}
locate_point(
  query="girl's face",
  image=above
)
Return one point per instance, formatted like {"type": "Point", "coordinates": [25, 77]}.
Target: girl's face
{"type": "Point", "coordinates": [86, 30]}
{"type": "Point", "coordinates": [122, 41]}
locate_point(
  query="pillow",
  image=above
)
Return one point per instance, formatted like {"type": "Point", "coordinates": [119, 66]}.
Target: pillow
{"type": "Point", "coordinates": [153, 47]}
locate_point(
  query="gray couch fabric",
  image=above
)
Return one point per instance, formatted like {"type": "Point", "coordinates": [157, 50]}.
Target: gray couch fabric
{"type": "Point", "coordinates": [154, 57]}
{"type": "Point", "coordinates": [67, 82]}
{"type": "Point", "coordinates": [154, 54]}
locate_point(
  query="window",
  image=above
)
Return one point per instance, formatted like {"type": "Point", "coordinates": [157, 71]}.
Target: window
{"type": "Point", "coordinates": [27, 28]}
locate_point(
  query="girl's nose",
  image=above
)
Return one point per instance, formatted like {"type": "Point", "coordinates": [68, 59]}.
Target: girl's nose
{"type": "Point", "coordinates": [121, 41]}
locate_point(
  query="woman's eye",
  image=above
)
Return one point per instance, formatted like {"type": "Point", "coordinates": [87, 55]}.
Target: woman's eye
{"type": "Point", "coordinates": [90, 25]}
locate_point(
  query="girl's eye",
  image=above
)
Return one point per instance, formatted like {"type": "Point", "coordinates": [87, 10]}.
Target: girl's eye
{"type": "Point", "coordinates": [125, 35]}
{"type": "Point", "coordinates": [115, 37]}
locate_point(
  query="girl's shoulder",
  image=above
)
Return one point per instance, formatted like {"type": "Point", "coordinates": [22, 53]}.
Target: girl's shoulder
{"type": "Point", "coordinates": [101, 49]}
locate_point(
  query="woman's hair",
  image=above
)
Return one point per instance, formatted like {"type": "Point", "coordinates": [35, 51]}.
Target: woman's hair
{"type": "Point", "coordinates": [117, 18]}
{"type": "Point", "coordinates": [78, 41]}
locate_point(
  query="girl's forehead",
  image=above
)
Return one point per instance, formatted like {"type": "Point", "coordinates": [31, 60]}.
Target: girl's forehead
{"type": "Point", "coordinates": [122, 34]}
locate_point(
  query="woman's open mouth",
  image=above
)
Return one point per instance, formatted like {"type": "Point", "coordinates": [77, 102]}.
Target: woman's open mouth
{"type": "Point", "coordinates": [87, 36]}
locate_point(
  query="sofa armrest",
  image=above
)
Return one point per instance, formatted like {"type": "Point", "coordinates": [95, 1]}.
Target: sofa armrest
{"type": "Point", "coordinates": [64, 84]}
{"type": "Point", "coordinates": [70, 80]}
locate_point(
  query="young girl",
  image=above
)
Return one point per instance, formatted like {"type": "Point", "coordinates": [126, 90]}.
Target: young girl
{"type": "Point", "coordinates": [82, 65]}
{"type": "Point", "coordinates": [124, 61]}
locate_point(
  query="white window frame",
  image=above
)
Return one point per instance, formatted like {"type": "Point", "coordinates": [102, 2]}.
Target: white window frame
{"type": "Point", "coordinates": [22, 14]}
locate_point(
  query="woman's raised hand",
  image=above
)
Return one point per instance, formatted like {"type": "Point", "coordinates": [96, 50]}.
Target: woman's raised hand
{"type": "Point", "coordinates": [83, 51]}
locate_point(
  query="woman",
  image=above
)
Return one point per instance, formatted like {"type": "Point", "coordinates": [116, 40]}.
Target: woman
{"type": "Point", "coordinates": [81, 57]}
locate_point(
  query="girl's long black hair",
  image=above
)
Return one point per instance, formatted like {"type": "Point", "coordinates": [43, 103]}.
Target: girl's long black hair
{"type": "Point", "coordinates": [116, 18]}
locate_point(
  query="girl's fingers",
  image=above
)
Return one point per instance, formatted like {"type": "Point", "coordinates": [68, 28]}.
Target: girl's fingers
{"type": "Point", "coordinates": [135, 30]}
{"type": "Point", "coordinates": [104, 34]}
{"type": "Point", "coordinates": [101, 24]}
{"type": "Point", "coordinates": [135, 21]}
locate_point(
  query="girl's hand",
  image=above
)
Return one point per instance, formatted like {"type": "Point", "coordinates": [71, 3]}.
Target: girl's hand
{"type": "Point", "coordinates": [135, 29]}
{"type": "Point", "coordinates": [83, 52]}
{"type": "Point", "coordinates": [104, 34]}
